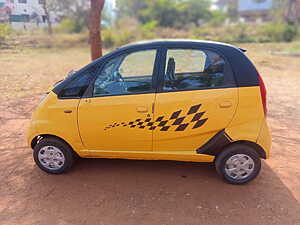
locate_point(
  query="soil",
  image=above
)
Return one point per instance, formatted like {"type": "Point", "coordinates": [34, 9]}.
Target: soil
{"type": "Point", "coordinates": [103, 191]}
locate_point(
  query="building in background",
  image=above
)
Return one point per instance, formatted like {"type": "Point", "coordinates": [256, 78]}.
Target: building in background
{"type": "Point", "coordinates": [293, 12]}
{"type": "Point", "coordinates": [255, 10]}
{"type": "Point", "coordinates": [23, 14]}
{"type": "Point", "coordinates": [5, 12]}
{"type": "Point", "coordinates": [248, 10]}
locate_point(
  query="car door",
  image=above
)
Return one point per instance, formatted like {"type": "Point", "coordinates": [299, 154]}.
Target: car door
{"type": "Point", "coordinates": [197, 98]}
{"type": "Point", "coordinates": [117, 116]}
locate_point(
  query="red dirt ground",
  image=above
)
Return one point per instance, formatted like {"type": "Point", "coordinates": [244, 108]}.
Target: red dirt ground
{"type": "Point", "coordinates": [111, 192]}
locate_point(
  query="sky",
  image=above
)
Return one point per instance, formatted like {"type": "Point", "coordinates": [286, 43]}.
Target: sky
{"type": "Point", "coordinates": [112, 2]}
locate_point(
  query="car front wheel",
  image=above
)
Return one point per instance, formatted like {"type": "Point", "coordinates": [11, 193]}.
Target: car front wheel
{"type": "Point", "coordinates": [53, 156]}
{"type": "Point", "coordinates": [238, 164]}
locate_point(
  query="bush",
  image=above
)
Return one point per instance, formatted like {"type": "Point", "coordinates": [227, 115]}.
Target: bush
{"type": "Point", "coordinates": [280, 32]}
{"type": "Point", "coordinates": [108, 39]}
{"type": "Point", "coordinates": [231, 33]}
{"type": "Point", "coordinates": [114, 37]}
{"type": "Point", "coordinates": [5, 30]}
{"type": "Point", "coordinates": [125, 31]}
{"type": "Point", "coordinates": [148, 30]}
{"type": "Point", "coordinates": [71, 26]}
{"type": "Point", "coordinates": [241, 32]}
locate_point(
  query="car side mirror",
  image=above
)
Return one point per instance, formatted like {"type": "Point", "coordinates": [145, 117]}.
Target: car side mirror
{"type": "Point", "coordinates": [71, 73]}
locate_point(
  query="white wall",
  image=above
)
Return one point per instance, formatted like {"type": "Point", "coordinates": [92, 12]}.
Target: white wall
{"type": "Point", "coordinates": [30, 7]}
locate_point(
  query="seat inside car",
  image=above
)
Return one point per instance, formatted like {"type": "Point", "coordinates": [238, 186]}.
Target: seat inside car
{"type": "Point", "coordinates": [170, 75]}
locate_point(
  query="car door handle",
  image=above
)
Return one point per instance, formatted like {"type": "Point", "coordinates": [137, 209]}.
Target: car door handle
{"type": "Point", "coordinates": [225, 104]}
{"type": "Point", "coordinates": [87, 100]}
{"type": "Point", "coordinates": [141, 109]}
{"type": "Point", "coordinates": [68, 111]}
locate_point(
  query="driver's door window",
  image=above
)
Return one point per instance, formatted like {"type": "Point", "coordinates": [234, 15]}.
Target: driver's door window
{"type": "Point", "coordinates": [127, 74]}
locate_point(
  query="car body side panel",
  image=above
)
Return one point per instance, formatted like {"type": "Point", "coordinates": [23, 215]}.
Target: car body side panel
{"type": "Point", "coordinates": [264, 139]}
{"type": "Point", "coordinates": [215, 112]}
{"type": "Point", "coordinates": [50, 119]}
{"type": "Point", "coordinates": [188, 156]}
{"type": "Point", "coordinates": [114, 123]}
{"type": "Point", "coordinates": [249, 123]}
{"type": "Point", "coordinates": [249, 115]}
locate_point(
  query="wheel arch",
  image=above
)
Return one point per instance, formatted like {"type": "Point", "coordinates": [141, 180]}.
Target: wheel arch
{"type": "Point", "coordinates": [221, 141]}
{"type": "Point", "coordinates": [36, 139]}
{"type": "Point", "coordinates": [261, 152]}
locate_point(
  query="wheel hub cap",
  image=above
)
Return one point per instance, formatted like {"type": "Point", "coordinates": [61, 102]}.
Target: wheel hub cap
{"type": "Point", "coordinates": [51, 157]}
{"type": "Point", "coordinates": [239, 166]}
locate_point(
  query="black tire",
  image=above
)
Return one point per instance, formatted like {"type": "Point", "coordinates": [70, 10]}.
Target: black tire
{"type": "Point", "coordinates": [220, 162]}
{"type": "Point", "coordinates": [63, 147]}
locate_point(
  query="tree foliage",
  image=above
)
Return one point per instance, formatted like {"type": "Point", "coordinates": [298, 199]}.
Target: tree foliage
{"type": "Point", "coordinates": [167, 13]}
{"type": "Point", "coordinates": [74, 11]}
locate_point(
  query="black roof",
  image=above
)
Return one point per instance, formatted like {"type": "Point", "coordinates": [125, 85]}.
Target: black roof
{"type": "Point", "coordinates": [160, 42]}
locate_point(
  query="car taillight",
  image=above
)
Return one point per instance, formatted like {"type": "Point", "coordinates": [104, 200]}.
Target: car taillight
{"type": "Point", "coordinates": [263, 93]}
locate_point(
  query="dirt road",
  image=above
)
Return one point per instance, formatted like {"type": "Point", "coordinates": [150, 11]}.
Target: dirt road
{"type": "Point", "coordinates": [157, 192]}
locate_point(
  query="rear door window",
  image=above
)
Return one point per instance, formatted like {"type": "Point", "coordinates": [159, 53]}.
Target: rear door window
{"type": "Point", "coordinates": [190, 69]}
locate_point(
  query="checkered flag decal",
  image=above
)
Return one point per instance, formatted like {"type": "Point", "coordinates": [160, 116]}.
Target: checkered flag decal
{"type": "Point", "coordinates": [177, 121]}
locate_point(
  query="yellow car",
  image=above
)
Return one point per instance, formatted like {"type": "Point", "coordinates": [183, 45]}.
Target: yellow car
{"type": "Point", "coordinates": [182, 100]}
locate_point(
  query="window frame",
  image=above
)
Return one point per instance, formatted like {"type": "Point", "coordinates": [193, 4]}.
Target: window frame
{"type": "Point", "coordinates": [159, 67]}
{"type": "Point", "coordinates": [89, 93]}
{"type": "Point", "coordinates": [228, 72]}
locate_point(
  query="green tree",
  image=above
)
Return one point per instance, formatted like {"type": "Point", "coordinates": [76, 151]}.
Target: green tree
{"type": "Point", "coordinates": [127, 8]}
{"type": "Point", "coordinates": [167, 13]}
{"type": "Point", "coordinates": [74, 10]}
{"type": "Point", "coordinates": [197, 10]}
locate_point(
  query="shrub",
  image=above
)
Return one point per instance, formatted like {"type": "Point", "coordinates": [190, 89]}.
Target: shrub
{"type": "Point", "coordinates": [118, 37]}
{"type": "Point", "coordinates": [148, 30]}
{"type": "Point", "coordinates": [241, 32]}
{"type": "Point", "coordinates": [108, 39]}
{"type": "Point", "coordinates": [278, 32]}
{"type": "Point", "coordinates": [290, 33]}
{"type": "Point", "coordinates": [125, 31]}
{"type": "Point", "coordinates": [71, 26]}
{"type": "Point", "coordinates": [5, 30]}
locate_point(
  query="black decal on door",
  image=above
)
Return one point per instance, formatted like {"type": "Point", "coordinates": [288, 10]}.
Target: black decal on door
{"type": "Point", "coordinates": [177, 121]}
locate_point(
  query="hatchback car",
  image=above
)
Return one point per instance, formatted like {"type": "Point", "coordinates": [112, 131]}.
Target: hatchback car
{"type": "Point", "coordinates": [182, 100]}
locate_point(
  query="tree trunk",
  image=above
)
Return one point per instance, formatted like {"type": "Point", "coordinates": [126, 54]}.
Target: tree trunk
{"type": "Point", "coordinates": [47, 15]}
{"type": "Point", "coordinates": [95, 28]}
{"type": "Point", "coordinates": [293, 15]}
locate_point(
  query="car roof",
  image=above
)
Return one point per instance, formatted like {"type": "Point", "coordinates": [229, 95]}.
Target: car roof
{"type": "Point", "coordinates": [176, 41]}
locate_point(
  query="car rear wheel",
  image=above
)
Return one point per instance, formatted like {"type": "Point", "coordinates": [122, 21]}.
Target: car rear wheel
{"type": "Point", "coordinates": [238, 164]}
{"type": "Point", "coordinates": [53, 156]}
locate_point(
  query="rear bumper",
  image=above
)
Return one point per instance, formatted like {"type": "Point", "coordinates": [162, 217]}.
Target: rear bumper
{"type": "Point", "coordinates": [264, 139]}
